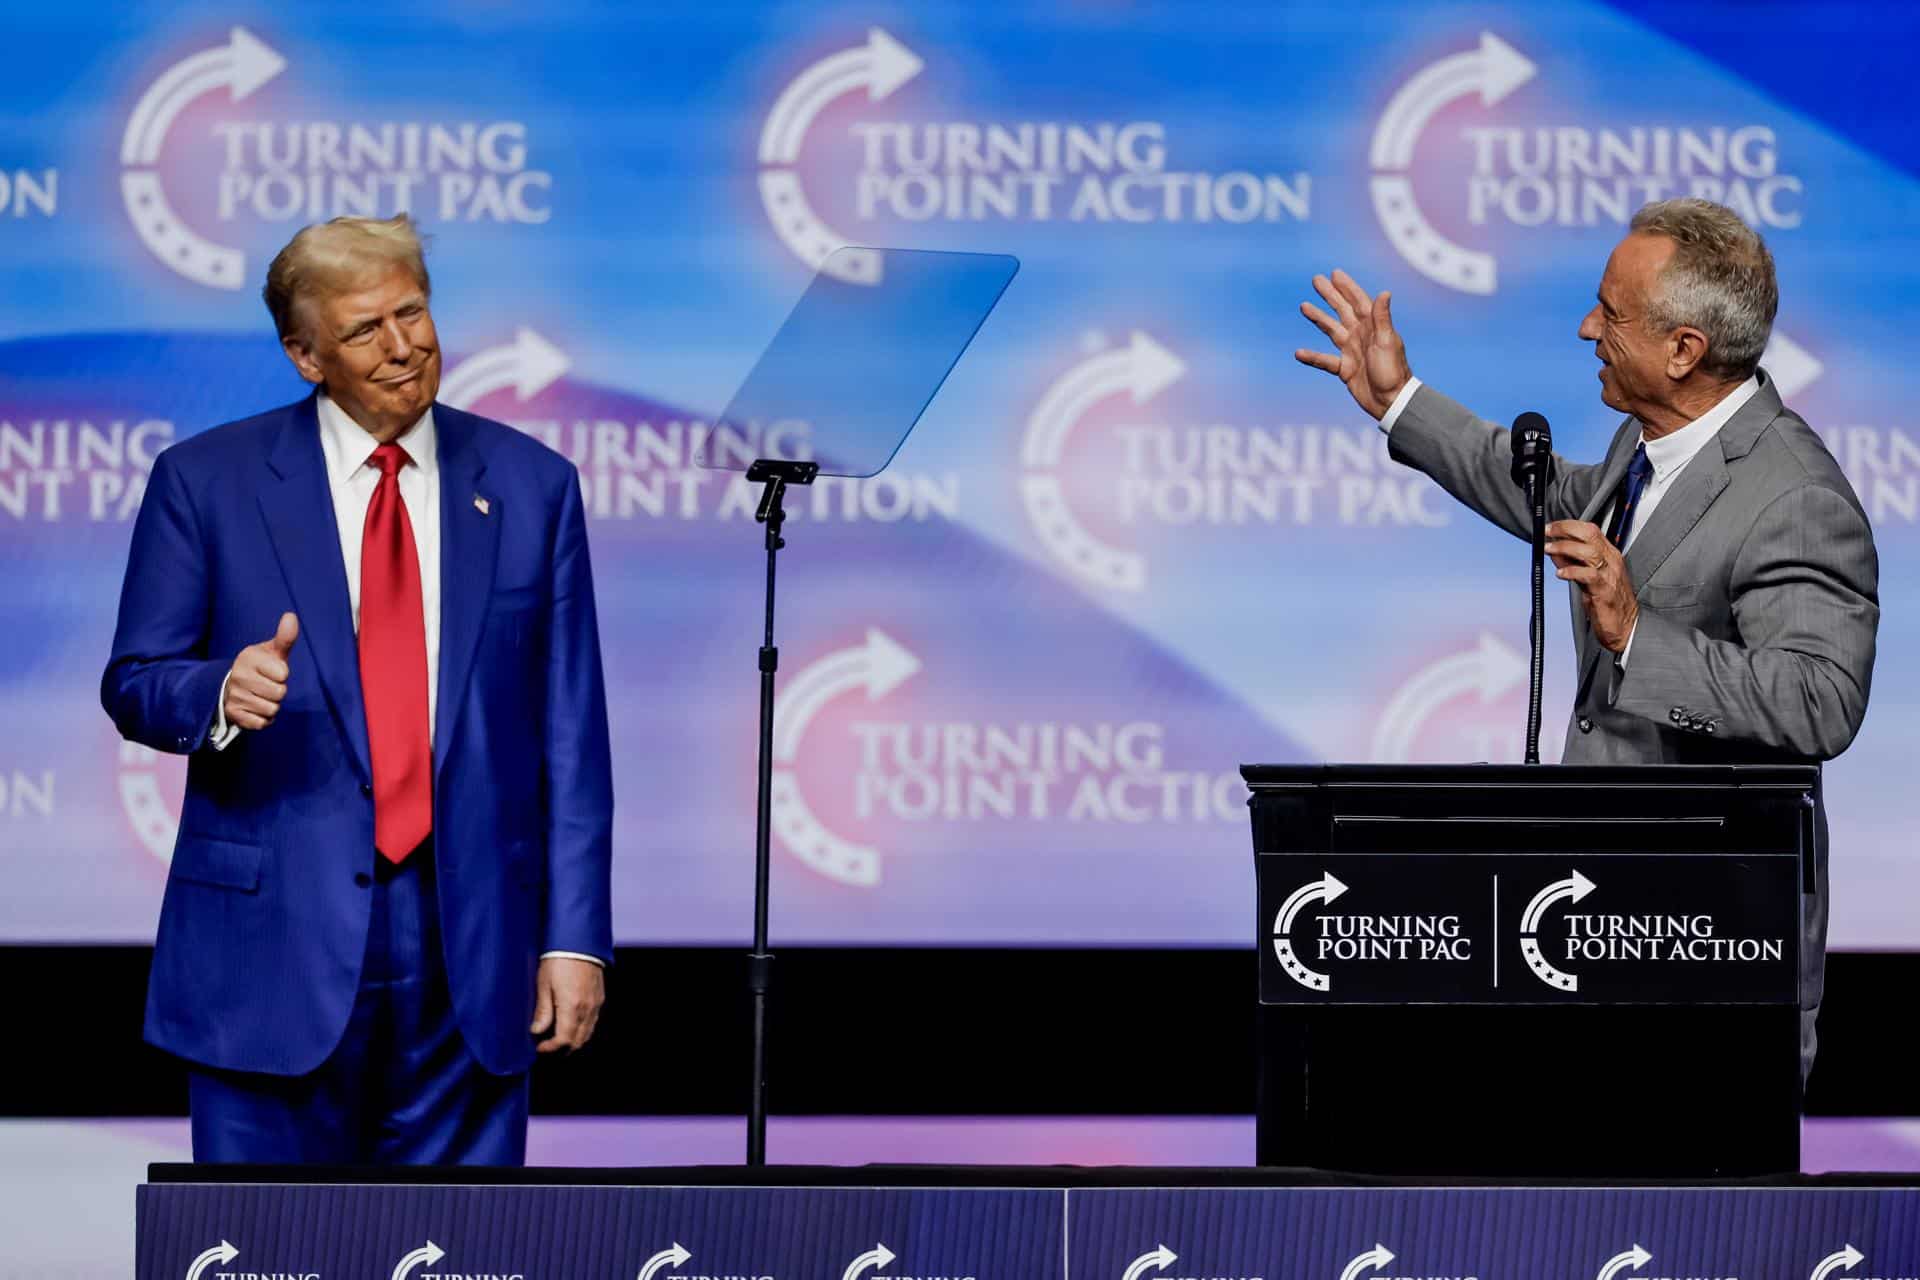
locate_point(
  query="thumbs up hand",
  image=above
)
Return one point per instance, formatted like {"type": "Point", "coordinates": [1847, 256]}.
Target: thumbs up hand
{"type": "Point", "coordinates": [258, 680]}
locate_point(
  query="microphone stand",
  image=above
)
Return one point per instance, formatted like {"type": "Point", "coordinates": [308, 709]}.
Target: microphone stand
{"type": "Point", "coordinates": [776, 474]}
{"type": "Point", "coordinates": [1537, 622]}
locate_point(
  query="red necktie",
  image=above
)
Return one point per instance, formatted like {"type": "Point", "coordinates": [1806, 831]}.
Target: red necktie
{"type": "Point", "coordinates": [393, 666]}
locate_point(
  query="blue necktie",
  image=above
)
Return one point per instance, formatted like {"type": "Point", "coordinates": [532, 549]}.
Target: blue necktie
{"type": "Point", "coordinates": [1639, 471]}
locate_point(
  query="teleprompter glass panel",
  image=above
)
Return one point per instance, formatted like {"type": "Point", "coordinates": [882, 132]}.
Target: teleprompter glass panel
{"type": "Point", "coordinates": [858, 359]}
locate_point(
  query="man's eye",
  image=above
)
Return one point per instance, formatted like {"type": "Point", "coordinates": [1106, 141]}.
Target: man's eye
{"type": "Point", "coordinates": [358, 337]}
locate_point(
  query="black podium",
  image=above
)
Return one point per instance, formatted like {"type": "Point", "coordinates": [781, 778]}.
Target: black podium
{"type": "Point", "coordinates": [1531, 971]}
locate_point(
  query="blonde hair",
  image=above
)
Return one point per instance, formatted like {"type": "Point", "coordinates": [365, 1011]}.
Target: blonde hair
{"type": "Point", "coordinates": [330, 256]}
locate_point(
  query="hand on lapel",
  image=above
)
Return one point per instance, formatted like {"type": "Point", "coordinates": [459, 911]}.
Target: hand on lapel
{"type": "Point", "coordinates": [1582, 554]}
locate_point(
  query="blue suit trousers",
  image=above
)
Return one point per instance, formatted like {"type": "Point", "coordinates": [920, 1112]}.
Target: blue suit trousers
{"type": "Point", "coordinates": [400, 1088]}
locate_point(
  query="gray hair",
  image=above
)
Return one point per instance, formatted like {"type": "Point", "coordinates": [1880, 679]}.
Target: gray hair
{"type": "Point", "coordinates": [330, 256]}
{"type": "Point", "coordinates": [1720, 281]}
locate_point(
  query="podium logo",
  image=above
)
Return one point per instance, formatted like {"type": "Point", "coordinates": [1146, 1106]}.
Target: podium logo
{"type": "Point", "coordinates": [1361, 937]}
{"type": "Point", "coordinates": [1661, 937]}
{"type": "Point", "coordinates": [295, 172]}
{"type": "Point", "coordinates": [1573, 889]}
{"type": "Point", "coordinates": [970, 172]}
{"type": "Point", "coordinates": [1324, 890]}
{"type": "Point", "coordinates": [1572, 176]}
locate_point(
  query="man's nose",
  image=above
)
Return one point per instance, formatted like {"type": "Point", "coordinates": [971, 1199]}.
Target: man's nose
{"type": "Point", "coordinates": [393, 337]}
{"type": "Point", "coordinates": [1590, 326]}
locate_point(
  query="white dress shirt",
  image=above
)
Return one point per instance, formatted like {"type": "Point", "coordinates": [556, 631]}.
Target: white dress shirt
{"type": "Point", "coordinates": [1669, 455]}
{"type": "Point", "coordinates": [347, 447]}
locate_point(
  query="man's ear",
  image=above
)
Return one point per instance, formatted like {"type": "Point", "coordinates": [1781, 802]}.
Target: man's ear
{"type": "Point", "coordinates": [302, 356]}
{"type": "Point", "coordinates": [1686, 348]}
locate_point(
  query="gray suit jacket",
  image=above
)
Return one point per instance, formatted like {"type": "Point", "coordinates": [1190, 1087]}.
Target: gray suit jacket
{"type": "Point", "coordinates": [1758, 587]}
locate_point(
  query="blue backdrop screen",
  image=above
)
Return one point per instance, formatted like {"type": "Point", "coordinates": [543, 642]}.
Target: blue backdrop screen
{"type": "Point", "coordinates": [1131, 544]}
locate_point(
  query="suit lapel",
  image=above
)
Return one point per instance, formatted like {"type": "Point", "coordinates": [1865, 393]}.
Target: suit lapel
{"type": "Point", "coordinates": [1698, 484]}
{"type": "Point", "coordinates": [298, 507]}
{"type": "Point", "coordinates": [469, 546]}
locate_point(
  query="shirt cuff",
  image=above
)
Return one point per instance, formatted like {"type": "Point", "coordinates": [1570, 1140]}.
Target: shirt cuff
{"type": "Point", "coordinates": [222, 734]}
{"type": "Point", "coordinates": [1392, 415]}
{"type": "Point", "coordinates": [574, 955]}
{"type": "Point", "coordinates": [1621, 661]}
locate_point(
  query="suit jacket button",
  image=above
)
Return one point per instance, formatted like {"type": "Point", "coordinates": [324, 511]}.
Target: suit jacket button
{"type": "Point", "coordinates": [362, 879]}
{"type": "Point", "coordinates": [366, 788]}
{"type": "Point", "coordinates": [1677, 714]}
{"type": "Point", "coordinates": [1586, 725]}
{"type": "Point", "coordinates": [1707, 727]}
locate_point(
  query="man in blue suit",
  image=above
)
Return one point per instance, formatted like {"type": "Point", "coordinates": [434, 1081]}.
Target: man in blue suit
{"type": "Point", "coordinates": [368, 621]}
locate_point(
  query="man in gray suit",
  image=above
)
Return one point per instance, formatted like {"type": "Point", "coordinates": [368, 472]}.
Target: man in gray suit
{"type": "Point", "coordinates": [1723, 576]}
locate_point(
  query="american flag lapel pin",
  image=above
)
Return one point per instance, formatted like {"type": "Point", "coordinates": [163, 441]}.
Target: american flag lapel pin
{"type": "Point", "coordinates": [481, 505]}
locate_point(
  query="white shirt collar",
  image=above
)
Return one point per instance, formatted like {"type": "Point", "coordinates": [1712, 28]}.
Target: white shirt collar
{"type": "Point", "coordinates": [347, 446]}
{"type": "Point", "coordinates": [1676, 449]}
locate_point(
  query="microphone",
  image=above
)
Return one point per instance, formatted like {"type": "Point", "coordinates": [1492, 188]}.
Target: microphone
{"type": "Point", "coordinates": [1532, 447]}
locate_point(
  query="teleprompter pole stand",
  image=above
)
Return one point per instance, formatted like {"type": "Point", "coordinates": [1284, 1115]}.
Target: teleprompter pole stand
{"type": "Point", "coordinates": [776, 474]}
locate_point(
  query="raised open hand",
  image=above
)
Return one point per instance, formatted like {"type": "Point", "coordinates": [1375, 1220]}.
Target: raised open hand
{"type": "Point", "coordinates": [1372, 359]}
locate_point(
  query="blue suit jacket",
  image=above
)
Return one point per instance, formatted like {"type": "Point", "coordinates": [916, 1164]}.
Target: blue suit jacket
{"type": "Point", "coordinates": [264, 924]}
